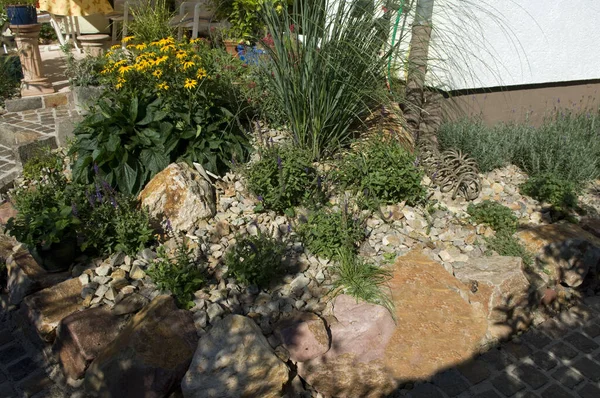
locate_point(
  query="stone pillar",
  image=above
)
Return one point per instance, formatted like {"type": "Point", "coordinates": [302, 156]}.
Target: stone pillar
{"type": "Point", "coordinates": [34, 82]}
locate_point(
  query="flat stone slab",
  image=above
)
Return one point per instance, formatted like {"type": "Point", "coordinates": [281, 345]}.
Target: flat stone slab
{"type": "Point", "coordinates": [437, 327]}
{"type": "Point", "coordinates": [304, 335]}
{"type": "Point", "coordinates": [234, 359]}
{"type": "Point", "coordinates": [82, 335]}
{"type": "Point", "coordinates": [26, 276]}
{"type": "Point", "coordinates": [46, 308]}
{"type": "Point", "coordinates": [499, 285]}
{"type": "Point", "coordinates": [150, 355]}
{"type": "Point", "coordinates": [566, 252]}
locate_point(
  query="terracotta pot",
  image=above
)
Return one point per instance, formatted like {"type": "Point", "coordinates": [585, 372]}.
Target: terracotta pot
{"type": "Point", "coordinates": [231, 47]}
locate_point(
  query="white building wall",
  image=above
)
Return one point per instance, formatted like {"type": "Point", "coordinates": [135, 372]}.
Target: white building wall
{"type": "Point", "coordinates": [488, 43]}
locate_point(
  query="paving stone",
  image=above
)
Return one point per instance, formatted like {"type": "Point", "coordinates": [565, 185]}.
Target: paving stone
{"type": "Point", "coordinates": [592, 330]}
{"type": "Point", "coordinates": [496, 359]}
{"type": "Point", "coordinates": [11, 353]}
{"type": "Point", "coordinates": [475, 371]}
{"type": "Point", "coordinates": [23, 104]}
{"type": "Point", "coordinates": [588, 368]}
{"type": "Point", "coordinates": [537, 339]}
{"type": "Point", "coordinates": [7, 391]}
{"type": "Point", "coordinates": [426, 390]}
{"type": "Point", "coordinates": [507, 384]}
{"type": "Point", "coordinates": [2, 378]}
{"type": "Point", "coordinates": [530, 375]}
{"type": "Point", "coordinates": [528, 394]}
{"type": "Point", "coordinates": [516, 349]}
{"type": "Point", "coordinates": [544, 360]}
{"type": "Point", "coordinates": [563, 351]}
{"type": "Point", "coordinates": [5, 337]}
{"type": "Point", "coordinates": [22, 369]}
{"type": "Point", "coordinates": [555, 391]}
{"type": "Point", "coordinates": [488, 394]}
{"type": "Point", "coordinates": [35, 383]}
{"type": "Point", "coordinates": [568, 377]}
{"type": "Point", "coordinates": [450, 382]}
{"type": "Point", "coordinates": [581, 342]}
{"type": "Point", "coordinates": [589, 391]}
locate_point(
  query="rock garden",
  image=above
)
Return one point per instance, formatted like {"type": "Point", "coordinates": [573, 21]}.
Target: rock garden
{"type": "Point", "coordinates": [219, 228]}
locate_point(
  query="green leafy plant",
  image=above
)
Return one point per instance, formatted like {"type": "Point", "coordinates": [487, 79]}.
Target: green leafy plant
{"type": "Point", "coordinates": [383, 172]}
{"type": "Point", "coordinates": [505, 244]}
{"type": "Point", "coordinates": [255, 259]}
{"type": "Point", "coordinates": [43, 163]}
{"type": "Point", "coordinates": [244, 16]}
{"type": "Point", "coordinates": [110, 221]}
{"type": "Point", "coordinates": [83, 71]}
{"type": "Point", "coordinates": [151, 21]}
{"type": "Point", "coordinates": [284, 177]}
{"type": "Point", "coordinates": [362, 280]}
{"type": "Point", "coordinates": [177, 274]}
{"type": "Point", "coordinates": [10, 76]}
{"type": "Point", "coordinates": [327, 74]}
{"type": "Point", "coordinates": [497, 216]}
{"type": "Point", "coordinates": [561, 194]}
{"type": "Point", "coordinates": [326, 232]}
{"type": "Point", "coordinates": [505, 223]}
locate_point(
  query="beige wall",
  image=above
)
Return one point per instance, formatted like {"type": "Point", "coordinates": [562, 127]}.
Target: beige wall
{"type": "Point", "coordinates": [528, 104]}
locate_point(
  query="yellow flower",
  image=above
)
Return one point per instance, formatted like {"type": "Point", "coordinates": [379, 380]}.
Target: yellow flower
{"type": "Point", "coordinates": [157, 73]}
{"type": "Point", "coordinates": [128, 38]}
{"type": "Point", "coordinates": [162, 86]}
{"type": "Point", "coordinates": [194, 41]}
{"type": "Point", "coordinates": [190, 83]}
{"type": "Point", "coordinates": [168, 47]}
{"type": "Point", "coordinates": [160, 60]}
{"type": "Point", "coordinates": [119, 63]}
{"type": "Point", "coordinates": [120, 82]}
{"type": "Point", "coordinates": [279, 8]}
{"type": "Point", "coordinates": [141, 66]}
{"type": "Point", "coordinates": [125, 69]}
{"type": "Point", "coordinates": [201, 73]}
{"type": "Point", "coordinates": [116, 46]}
{"type": "Point", "coordinates": [141, 47]}
{"type": "Point", "coordinates": [188, 64]}
{"type": "Point", "coordinates": [181, 55]}
{"type": "Point", "coordinates": [130, 46]}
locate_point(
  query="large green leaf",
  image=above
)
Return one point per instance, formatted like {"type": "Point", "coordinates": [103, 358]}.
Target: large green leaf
{"type": "Point", "coordinates": [154, 160]}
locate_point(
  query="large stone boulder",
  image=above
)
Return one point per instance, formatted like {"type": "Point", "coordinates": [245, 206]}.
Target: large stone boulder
{"type": "Point", "coordinates": [430, 307]}
{"type": "Point", "coordinates": [566, 251]}
{"type": "Point", "coordinates": [234, 359]}
{"type": "Point", "coordinates": [499, 285]}
{"type": "Point", "coordinates": [26, 276]}
{"type": "Point", "coordinates": [304, 335]}
{"type": "Point", "coordinates": [181, 195]}
{"type": "Point", "coordinates": [150, 355]}
{"type": "Point", "coordinates": [81, 336]}
{"type": "Point", "coordinates": [354, 365]}
{"type": "Point", "coordinates": [46, 308]}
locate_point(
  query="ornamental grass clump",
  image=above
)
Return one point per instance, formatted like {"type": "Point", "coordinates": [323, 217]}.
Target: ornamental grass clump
{"type": "Point", "coordinates": [327, 63]}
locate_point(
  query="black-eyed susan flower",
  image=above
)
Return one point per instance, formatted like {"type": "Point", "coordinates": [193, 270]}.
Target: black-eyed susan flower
{"type": "Point", "coordinates": [201, 73]}
{"type": "Point", "coordinates": [162, 86]}
{"type": "Point", "coordinates": [188, 64]}
{"type": "Point", "coordinates": [128, 38]}
{"type": "Point", "coordinates": [157, 73]}
{"type": "Point", "coordinates": [190, 83]}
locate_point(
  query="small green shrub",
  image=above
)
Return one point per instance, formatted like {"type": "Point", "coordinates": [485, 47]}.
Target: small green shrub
{"type": "Point", "coordinates": [179, 274]}
{"type": "Point", "coordinates": [561, 194]}
{"type": "Point", "coordinates": [43, 163]}
{"type": "Point", "coordinates": [383, 172]}
{"type": "Point", "coordinates": [326, 232]}
{"type": "Point", "coordinates": [83, 71]}
{"type": "Point", "coordinates": [362, 280]}
{"type": "Point", "coordinates": [505, 244]}
{"type": "Point", "coordinates": [284, 177]}
{"type": "Point", "coordinates": [497, 216]}
{"type": "Point", "coordinates": [10, 77]}
{"type": "Point", "coordinates": [111, 221]}
{"type": "Point", "coordinates": [255, 259]}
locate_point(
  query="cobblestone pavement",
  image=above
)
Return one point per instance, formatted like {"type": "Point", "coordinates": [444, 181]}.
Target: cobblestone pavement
{"type": "Point", "coordinates": [42, 121]}
{"type": "Point", "coordinates": [559, 358]}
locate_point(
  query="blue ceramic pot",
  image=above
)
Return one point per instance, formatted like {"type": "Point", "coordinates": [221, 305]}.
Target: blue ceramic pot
{"type": "Point", "coordinates": [21, 14]}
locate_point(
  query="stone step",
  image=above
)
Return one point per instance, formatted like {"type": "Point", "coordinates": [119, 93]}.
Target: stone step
{"type": "Point", "coordinates": [46, 308]}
